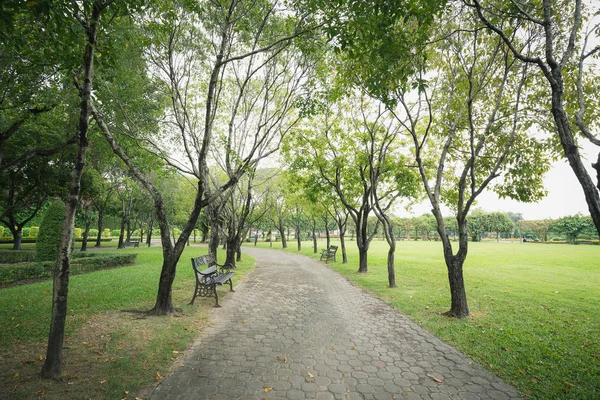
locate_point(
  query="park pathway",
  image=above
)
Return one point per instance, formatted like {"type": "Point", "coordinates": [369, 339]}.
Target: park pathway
{"type": "Point", "coordinates": [296, 329]}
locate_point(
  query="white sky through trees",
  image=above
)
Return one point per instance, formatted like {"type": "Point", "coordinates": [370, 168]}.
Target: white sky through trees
{"type": "Point", "coordinates": [565, 196]}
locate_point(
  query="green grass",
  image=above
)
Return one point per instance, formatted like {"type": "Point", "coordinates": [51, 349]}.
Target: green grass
{"type": "Point", "coordinates": [108, 354]}
{"type": "Point", "coordinates": [535, 308]}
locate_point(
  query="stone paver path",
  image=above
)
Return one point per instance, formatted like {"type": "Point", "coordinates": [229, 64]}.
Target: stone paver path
{"type": "Point", "coordinates": [295, 329]}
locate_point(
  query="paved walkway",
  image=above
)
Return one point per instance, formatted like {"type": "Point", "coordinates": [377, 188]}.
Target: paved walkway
{"type": "Point", "coordinates": [295, 329]}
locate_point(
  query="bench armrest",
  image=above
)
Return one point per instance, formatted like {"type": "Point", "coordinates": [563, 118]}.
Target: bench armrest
{"type": "Point", "coordinates": [225, 268]}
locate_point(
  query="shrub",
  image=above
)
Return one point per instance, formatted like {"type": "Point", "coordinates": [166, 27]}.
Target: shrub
{"type": "Point", "coordinates": [80, 263]}
{"type": "Point", "coordinates": [115, 233]}
{"type": "Point", "coordinates": [93, 233]}
{"type": "Point", "coordinates": [1, 231]}
{"type": "Point", "coordinates": [33, 232]}
{"type": "Point", "coordinates": [78, 232]}
{"type": "Point", "coordinates": [46, 247]}
{"type": "Point", "coordinates": [16, 256]}
{"type": "Point", "coordinates": [25, 232]}
{"type": "Point", "coordinates": [106, 233]}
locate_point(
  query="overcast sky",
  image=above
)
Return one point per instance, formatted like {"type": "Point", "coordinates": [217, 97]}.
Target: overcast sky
{"type": "Point", "coordinates": [565, 196]}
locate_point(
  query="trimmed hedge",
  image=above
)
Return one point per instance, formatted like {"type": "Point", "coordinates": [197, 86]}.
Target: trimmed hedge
{"type": "Point", "coordinates": [79, 264]}
{"type": "Point", "coordinates": [16, 256]}
{"type": "Point", "coordinates": [48, 240]}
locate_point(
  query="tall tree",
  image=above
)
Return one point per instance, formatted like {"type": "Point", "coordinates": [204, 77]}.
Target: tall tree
{"type": "Point", "coordinates": [88, 15]}
{"type": "Point", "coordinates": [461, 136]}
{"type": "Point", "coordinates": [236, 32]}
{"type": "Point", "coordinates": [560, 48]}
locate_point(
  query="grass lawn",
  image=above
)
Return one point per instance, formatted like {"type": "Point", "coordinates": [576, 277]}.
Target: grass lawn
{"type": "Point", "coordinates": [108, 354]}
{"type": "Point", "coordinates": [535, 308]}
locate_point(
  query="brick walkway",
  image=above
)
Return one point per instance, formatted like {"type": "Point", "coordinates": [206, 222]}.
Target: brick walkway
{"type": "Point", "coordinates": [295, 329]}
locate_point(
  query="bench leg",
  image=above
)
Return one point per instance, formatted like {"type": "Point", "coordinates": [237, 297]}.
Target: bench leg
{"type": "Point", "coordinates": [195, 294]}
{"type": "Point", "coordinates": [231, 286]}
{"type": "Point", "coordinates": [216, 296]}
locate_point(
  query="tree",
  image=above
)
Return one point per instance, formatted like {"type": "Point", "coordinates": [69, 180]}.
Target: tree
{"type": "Point", "coordinates": [572, 226]}
{"type": "Point", "coordinates": [539, 227]}
{"type": "Point", "coordinates": [461, 136]}
{"type": "Point", "coordinates": [559, 49]}
{"type": "Point", "coordinates": [243, 36]}
{"type": "Point", "coordinates": [89, 20]}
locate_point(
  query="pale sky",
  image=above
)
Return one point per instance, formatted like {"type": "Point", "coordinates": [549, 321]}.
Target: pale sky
{"type": "Point", "coordinates": [565, 196]}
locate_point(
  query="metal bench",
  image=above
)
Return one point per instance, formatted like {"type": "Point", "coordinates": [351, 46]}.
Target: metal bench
{"type": "Point", "coordinates": [329, 253]}
{"type": "Point", "coordinates": [133, 242]}
{"type": "Point", "coordinates": [208, 279]}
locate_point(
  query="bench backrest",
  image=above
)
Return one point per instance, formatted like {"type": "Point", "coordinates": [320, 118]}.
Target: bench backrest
{"type": "Point", "coordinates": [207, 259]}
{"type": "Point", "coordinates": [333, 248]}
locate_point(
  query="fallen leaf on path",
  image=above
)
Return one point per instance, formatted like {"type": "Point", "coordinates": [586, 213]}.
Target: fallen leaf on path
{"type": "Point", "coordinates": [434, 378]}
{"type": "Point", "coordinates": [310, 375]}
{"type": "Point", "coordinates": [268, 389]}
{"type": "Point", "coordinates": [103, 382]}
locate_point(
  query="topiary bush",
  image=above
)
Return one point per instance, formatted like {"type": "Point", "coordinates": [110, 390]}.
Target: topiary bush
{"type": "Point", "coordinates": [46, 247]}
{"type": "Point", "coordinates": [106, 233]}
{"type": "Point", "coordinates": [33, 232]}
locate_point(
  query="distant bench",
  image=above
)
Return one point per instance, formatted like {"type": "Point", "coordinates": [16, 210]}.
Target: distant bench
{"type": "Point", "coordinates": [208, 279]}
{"type": "Point", "coordinates": [329, 253]}
{"type": "Point", "coordinates": [133, 242]}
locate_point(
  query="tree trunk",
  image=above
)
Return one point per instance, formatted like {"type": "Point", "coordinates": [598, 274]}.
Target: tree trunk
{"type": "Point", "coordinates": [343, 246]}
{"type": "Point", "coordinates": [327, 237]}
{"type": "Point", "coordinates": [314, 238]}
{"type": "Point", "coordinates": [213, 244]}
{"type": "Point", "coordinates": [149, 234]}
{"type": "Point", "coordinates": [298, 239]}
{"type": "Point", "coordinates": [53, 365]}
{"type": "Point", "coordinates": [121, 244]}
{"type": "Point", "coordinates": [86, 232]}
{"type": "Point", "coordinates": [238, 253]}
{"type": "Point", "coordinates": [573, 156]}
{"type": "Point", "coordinates": [231, 251]}
{"type": "Point", "coordinates": [17, 233]}
{"type": "Point", "coordinates": [459, 307]}
{"type": "Point", "coordinates": [362, 256]}
{"type": "Point", "coordinates": [100, 227]}
{"type": "Point", "coordinates": [283, 238]}
{"type": "Point", "coordinates": [454, 264]}
{"type": "Point", "coordinates": [390, 267]}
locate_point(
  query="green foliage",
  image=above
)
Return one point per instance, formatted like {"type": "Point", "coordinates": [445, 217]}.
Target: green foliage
{"type": "Point", "coordinates": [572, 226]}
{"type": "Point", "coordinates": [115, 233]}
{"type": "Point", "coordinates": [46, 247]}
{"type": "Point", "coordinates": [379, 40]}
{"type": "Point", "coordinates": [106, 233]}
{"type": "Point", "coordinates": [77, 232]}
{"type": "Point", "coordinates": [16, 256]}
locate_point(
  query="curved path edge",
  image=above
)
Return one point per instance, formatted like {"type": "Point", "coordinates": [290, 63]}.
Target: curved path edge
{"type": "Point", "coordinates": [296, 329]}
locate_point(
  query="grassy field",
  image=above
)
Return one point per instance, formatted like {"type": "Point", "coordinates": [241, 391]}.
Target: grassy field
{"type": "Point", "coordinates": [535, 308]}
{"type": "Point", "coordinates": [109, 354]}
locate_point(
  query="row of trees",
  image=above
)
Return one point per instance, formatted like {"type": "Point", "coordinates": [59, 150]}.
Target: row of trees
{"type": "Point", "coordinates": [374, 104]}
